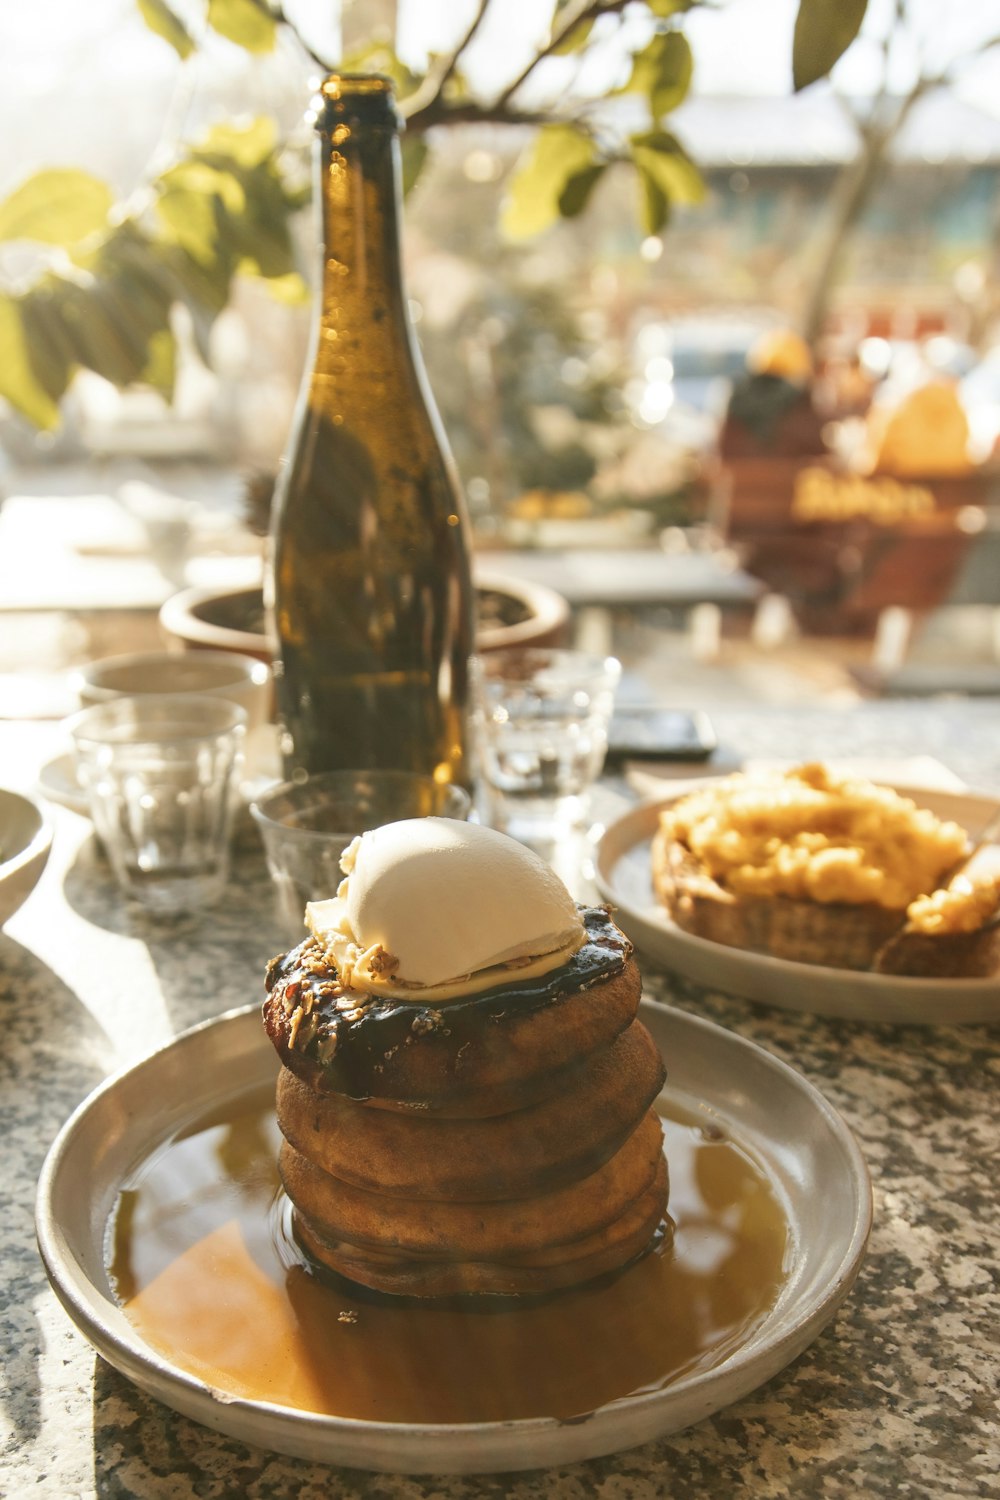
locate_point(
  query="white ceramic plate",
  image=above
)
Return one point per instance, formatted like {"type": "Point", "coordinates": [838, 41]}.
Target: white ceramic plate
{"type": "Point", "coordinates": [624, 878]}
{"type": "Point", "coordinates": [789, 1128]}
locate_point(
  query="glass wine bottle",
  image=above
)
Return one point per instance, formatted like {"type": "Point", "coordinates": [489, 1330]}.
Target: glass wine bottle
{"type": "Point", "coordinates": [370, 581]}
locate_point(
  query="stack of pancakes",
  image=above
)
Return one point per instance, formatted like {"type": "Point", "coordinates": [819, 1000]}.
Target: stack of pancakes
{"type": "Point", "coordinates": [503, 1143]}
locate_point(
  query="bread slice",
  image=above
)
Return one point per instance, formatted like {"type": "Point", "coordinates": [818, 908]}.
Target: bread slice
{"type": "Point", "coordinates": [837, 934]}
{"type": "Point", "coordinates": [945, 955]}
{"type": "Point", "coordinates": [953, 953]}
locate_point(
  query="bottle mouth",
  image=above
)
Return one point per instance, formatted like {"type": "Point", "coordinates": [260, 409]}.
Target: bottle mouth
{"type": "Point", "coordinates": [366, 95]}
{"type": "Point", "coordinates": [341, 87]}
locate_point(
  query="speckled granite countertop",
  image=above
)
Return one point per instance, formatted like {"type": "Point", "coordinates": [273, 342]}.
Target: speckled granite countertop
{"type": "Point", "coordinates": [896, 1397]}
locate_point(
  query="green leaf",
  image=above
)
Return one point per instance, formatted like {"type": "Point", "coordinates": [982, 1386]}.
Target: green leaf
{"type": "Point", "coordinates": [248, 23]}
{"type": "Point", "coordinates": [664, 9]}
{"type": "Point", "coordinates": [189, 219]}
{"type": "Point", "coordinates": [132, 263]}
{"type": "Point", "coordinates": [245, 145]}
{"type": "Point", "coordinates": [261, 233]}
{"type": "Point", "coordinates": [161, 367]}
{"type": "Point", "coordinates": [577, 190]}
{"type": "Point", "coordinates": [104, 333]}
{"type": "Point", "coordinates": [559, 153]}
{"type": "Point", "coordinates": [192, 200]}
{"type": "Point", "coordinates": [414, 152]}
{"type": "Point", "coordinates": [203, 287]}
{"type": "Point", "coordinates": [824, 29]}
{"type": "Point", "coordinates": [51, 353]}
{"type": "Point", "coordinates": [662, 71]}
{"type": "Point", "coordinates": [160, 18]}
{"type": "Point", "coordinates": [654, 206]}
{"type": "Point", "coordinates": [58, 206]}
{"type": "Point", "coordinates": [576, 38]}
{"type": "Point", "coordinates": [662, 157]}
{"type": "Point", "coordinates": [18, 381]}
{"type": "Point", "coordinates": [196, 176]}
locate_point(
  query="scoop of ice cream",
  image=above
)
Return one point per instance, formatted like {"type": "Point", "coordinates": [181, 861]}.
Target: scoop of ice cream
{"type": "Point", "coordinates": [432, 909]}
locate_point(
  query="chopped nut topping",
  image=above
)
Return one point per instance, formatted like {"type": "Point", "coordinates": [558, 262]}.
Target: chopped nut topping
{"type": "Point", "coordinates": [377, 961]}
{"type": "Point", "coordinates": [327, 1045]}
{"type": "Point", "coordinates": [307, 1031]}
{"type": "Point", "coordinates": [353, 1004]}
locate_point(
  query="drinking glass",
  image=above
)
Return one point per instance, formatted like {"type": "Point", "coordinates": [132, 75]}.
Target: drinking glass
{"type": "Point", "coordinates": [306, 825]}
{"type": "Point", "coordinates": [160, 775]}
{"type": "Point", "coordinates": [542, 727]}
{"type": "Point", "coordinates": [215, 674]}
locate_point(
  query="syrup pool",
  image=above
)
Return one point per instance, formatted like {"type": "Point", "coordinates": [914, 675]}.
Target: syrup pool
{"type": "Point", "coordinates": [202, 1262]}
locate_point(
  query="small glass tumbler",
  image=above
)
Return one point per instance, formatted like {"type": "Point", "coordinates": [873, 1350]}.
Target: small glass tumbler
{"type": "Point", "coordinates": [542, 720]}
{"type": "Point", "coordinates": [306, 826]}
{"type": "Point", "coordinates": [160, 773]}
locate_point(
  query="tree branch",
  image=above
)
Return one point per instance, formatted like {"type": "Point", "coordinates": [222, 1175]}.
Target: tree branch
{"type": "Point", "coordinates": [277, 11]}
{"type": "Point", "coordinates": [472, 112]}
{"type": "Point", "coordinates": [431, 91]}
{"type": "Point", "coordinates": [587, 10]}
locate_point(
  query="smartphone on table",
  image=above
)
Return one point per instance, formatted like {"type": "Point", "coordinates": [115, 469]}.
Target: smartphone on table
{"type": "Point", "coordinates": [640, 733]}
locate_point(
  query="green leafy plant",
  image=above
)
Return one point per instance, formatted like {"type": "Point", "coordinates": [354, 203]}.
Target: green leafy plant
{"type": "Point", "coordinates": [225, 206]}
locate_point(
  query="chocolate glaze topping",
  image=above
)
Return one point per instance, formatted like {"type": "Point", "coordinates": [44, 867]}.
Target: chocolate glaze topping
{"type": "Point", "coordinates": [350, 1046]}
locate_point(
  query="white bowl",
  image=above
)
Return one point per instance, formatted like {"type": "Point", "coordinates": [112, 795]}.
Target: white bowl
{"type": "Point", "coordinates": [221, 674]}
{"type": "Point", "coordinates": [25, 840]}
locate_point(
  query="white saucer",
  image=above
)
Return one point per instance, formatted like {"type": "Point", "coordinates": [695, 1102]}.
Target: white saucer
{"type": "Point", "coordinates": [623, 875]}
{"type": "Point", "coordinates": [261, 768]}
{"type": "Point", "coordinates": [792, 1132]}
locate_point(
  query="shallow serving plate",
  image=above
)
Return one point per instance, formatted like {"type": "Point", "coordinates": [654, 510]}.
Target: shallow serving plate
{"type": "Point", "coordinates": [801, 1142]}
{"type": "Point", "coordinates": [624, 878]}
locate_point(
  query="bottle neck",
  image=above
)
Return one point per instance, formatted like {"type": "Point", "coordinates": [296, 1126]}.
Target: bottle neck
{"type": "Point", "coordinates": [361, 281]}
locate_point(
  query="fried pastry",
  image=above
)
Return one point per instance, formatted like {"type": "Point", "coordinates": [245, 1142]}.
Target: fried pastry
{"type": "Point", "coordinates": [474, 1230]}
{"type": "Point", "coordinates": [575, 1129]}
{"type": "Point", "coordinates": [463, 1066]}
{"type": "Point", "coordinates": [466, 1094]}
{"type": "Point", "coordinates": [532, 1274]}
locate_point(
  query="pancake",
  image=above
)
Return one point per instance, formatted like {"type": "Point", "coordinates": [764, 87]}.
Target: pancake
{"type": "Point", "coordinates": [490, 1054]}
{"type": "Point", "coordinates": [473, 1231]}
{"type": "Point", "coordinates": [535, 1273]}
{"type": "Point", "coordinates": [500, 1140]}
{"type": "Point", "coordinates": [565, 1136]}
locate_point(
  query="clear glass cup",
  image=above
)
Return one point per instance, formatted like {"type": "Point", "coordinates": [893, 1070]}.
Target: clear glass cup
{"type": "Point", "coordinates": [160, 774]}
{"type": "Point", "coordinates": [306, 826]}
{"type": "Point", "coordinates": [214, 674]}
{"type": "Point", "coordinates": [542, 720]}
